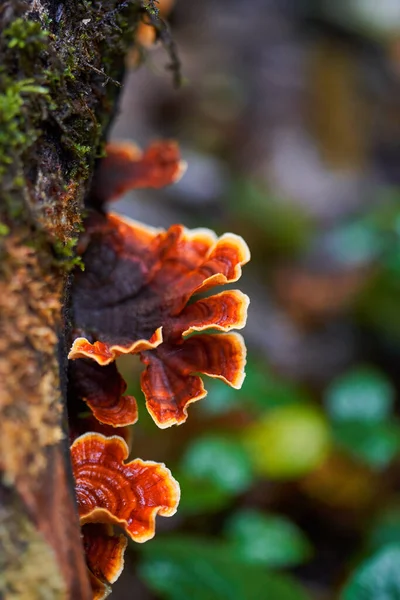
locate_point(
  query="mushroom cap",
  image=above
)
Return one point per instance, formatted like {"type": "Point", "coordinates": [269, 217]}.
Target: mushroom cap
{"type": "Point", "coordinates": [102, 388]}
{"type": "Point", "coordinates": [125, 167]}
{"type": "Point", "coordinates": [133, 298]}
{"type": "Point", "coordinates": [110, 491]}
{"type": "Point", "coordinates": [168, 382]}
{"type": "Point", "coordinates": [100, 590]}
{"type": "Point", "coordinates": [104, 551]}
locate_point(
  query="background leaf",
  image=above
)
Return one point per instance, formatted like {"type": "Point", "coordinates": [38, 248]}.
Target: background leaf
{"type": "Point", "coordinates": [179, 568]}
{"type": "Point", "coordinates": [288, 442]}
{"type": "Point", "coordinates": [220, 461]}
{"type": "Point", "coordinates": [267, 539]}
{"type": "Point", "coordinates": [376, 579]}
{"type": "Point", "coordinates": [363, 394]}
{"type": "Point", "coordinates": [200, 495]}
{"type": "Point", "coordinates": [375, 444]}
{"type": "Point", "coordinates": [386, 529]}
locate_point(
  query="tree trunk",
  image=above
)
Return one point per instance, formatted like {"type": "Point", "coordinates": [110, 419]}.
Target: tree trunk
{"type": "Point", "coordinates": [60, 63]}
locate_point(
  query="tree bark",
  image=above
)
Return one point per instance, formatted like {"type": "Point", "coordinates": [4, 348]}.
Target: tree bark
{"type": "Point", "coordinates": [60, 64]}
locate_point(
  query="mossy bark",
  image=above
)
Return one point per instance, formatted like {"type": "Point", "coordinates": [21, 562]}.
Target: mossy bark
{"type": "Point", "coordinates": [60, 64]}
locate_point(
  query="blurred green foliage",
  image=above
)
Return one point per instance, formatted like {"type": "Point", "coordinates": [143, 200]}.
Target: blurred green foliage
{"type": "Point", "coordinates": [267, 539]}
{"type": "Point", "coordinates": [361, 404]}
{"type": "Point", "coordinates": [261, 390]}
{"type": "Point", "coordinates": [386, 529]}
{"type": "Point", "coordinates": [293, 481]}
{"type": "Point", "coordinates": [378, 305]}
{"type": "Point", "coordinates": [378, 578]}
{"type": "Point", "coordinates": [376, 444]}
{"type": "Point", "coordinates": [284, 228]}
{"type": "Point", "coordinates": [288, 442]}
{"type": "Point", "coordinates": [180, 567]}
{"type": "Point", "coordinates": [220, 461]}
{"type": "Point", "coordinates": [362, 395]}
{"type": "Point", "coordinates": [212, 471]}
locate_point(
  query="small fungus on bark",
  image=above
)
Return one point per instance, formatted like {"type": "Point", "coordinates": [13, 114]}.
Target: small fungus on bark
{"type": "Point", "coordinates": [108, 490]}
{"type": "Point", "coordinates": [111, 492]}
{"type": "Point", "coordinates": [102, 388]}
{"type": "Point", "coordinates": [104, 551]}
{"type": "Point", "coordinates": [126, 167]}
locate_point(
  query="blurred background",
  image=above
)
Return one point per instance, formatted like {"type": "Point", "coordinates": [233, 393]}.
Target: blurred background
{"type": "Point", "coordinates": [289, 119]}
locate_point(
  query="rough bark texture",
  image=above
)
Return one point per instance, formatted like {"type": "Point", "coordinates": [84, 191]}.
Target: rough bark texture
{"type": "Point", "coordinates": [59, 67]}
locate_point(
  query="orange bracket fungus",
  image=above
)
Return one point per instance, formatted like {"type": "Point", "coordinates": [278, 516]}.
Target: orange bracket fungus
{"type": "Point", "coordinates": [104, 556]}
{"type": "Point", "coordinates": [102, 389]}
{"type": "Point", "coordinates": [126, 167]}
{"type": "Point", "coordinates": [133, 298]}
{"type": "Point", "coordinates": [143, 291]}
{"type": "Point", "coordinates": [111, 492]}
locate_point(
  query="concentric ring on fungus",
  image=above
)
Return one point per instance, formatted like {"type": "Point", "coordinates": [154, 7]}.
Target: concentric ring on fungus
{"type": "Point", "coordinates": [111, 492]}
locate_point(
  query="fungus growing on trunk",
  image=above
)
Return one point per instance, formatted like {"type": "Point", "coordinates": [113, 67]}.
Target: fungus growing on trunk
{"type": "Point", "coordinates": [104, 551]}
{"type": "Point", "coordinates": [139, 294]}
{"type": "Point", "coordinates": [126, 167]}
{"type": "Point", "coordinates": [133, 298]}
{"type": "Point", "coordinates": [102, 388]}
{"type": "Point", "coordinates": [112, 492]}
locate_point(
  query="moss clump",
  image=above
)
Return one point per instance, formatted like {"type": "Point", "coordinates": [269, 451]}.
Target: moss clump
{"type": "Point", "coordinates": [60, 76]}
{"type": "Point", "coordinates": [14, 138]}
{"type": "Point", "coordinates": [25, 35]}
{"type": "Point", "coordinates": [56, 99]}
{"type": "Point", "coordinates": [23, 94]}
{"type": "Point", "coordinates": [66, 255]}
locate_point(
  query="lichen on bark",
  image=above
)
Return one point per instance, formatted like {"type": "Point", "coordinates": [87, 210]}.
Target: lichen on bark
{"type": "Point", "coordinates": [61, 64]}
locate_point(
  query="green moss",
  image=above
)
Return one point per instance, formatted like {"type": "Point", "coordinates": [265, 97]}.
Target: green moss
{"type": "Point", "coordinates": [25, 34]}
{"type": "Point", "coordinates": [81, 150]}
{"type": "Point", "coordinates": [66, 255]}
{"type": "Point", "coordinates": [25, 38]}
{"type": "Point", "coordinates": [13, 136]}
{"type": "Point", "coordinates": [59, 80]}
{"type": "Point", "coordinates": [23, 93]}
{"type": "Point", "coordinates": [151, 7]}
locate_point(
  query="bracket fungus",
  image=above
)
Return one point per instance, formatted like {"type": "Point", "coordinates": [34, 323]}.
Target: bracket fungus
{"type": "Point", "coordinates": [104, 556]}
{"type": "Point", "coordinates": [142, 292]}
{"type": "Point", "coordinates": [126, 167]}
{"type": "Point", "coordinates": [133, 298]}
{"type": "Point", "coordinates": [111, 492]}
{"type": "Point", "coordinates": [102, 388]}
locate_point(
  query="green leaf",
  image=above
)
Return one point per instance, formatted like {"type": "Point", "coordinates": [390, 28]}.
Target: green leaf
{"type": "Point", "coordinates": [386, 529]}
{"type": "Point", "coordinates": [354, 244]}
{"type": "Point", "coordinates": [377, 578]}
{"type": "Point", "coordinates": [201, 496]}
{"type": "Point", "coordinates": [266, 390]}
{"type": "Point", "coordinates": [288, 442]}
{"type": "Point", "coordinates": [375, 444]}
{"type": "Point", "coordinates": [4, 229]}
{"type": "Point", "coordinates": [220, 461]}
{"type": "Point", "coordinates": [267, 539]}
{"type": "Point", "coordinates": [361, 395]}
{"type": "Point", "coordinates": [221, 399]}
{"type": "Point", "coordinates": [182, 567]}
{"type": "Point", "coordinates": [261, 390]}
